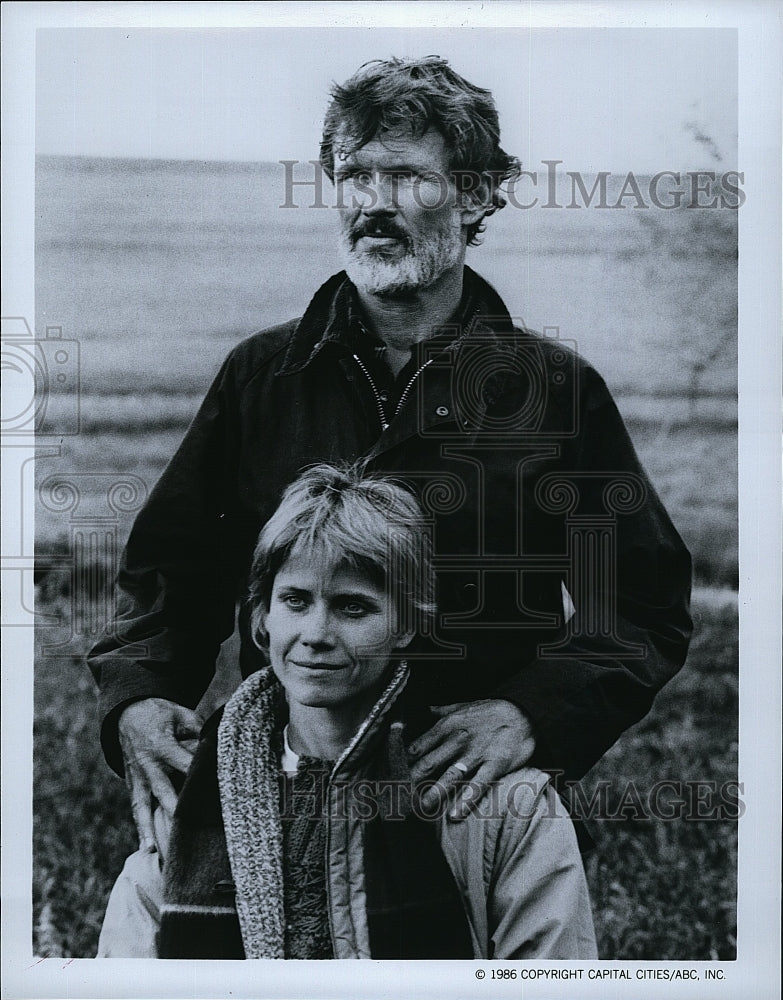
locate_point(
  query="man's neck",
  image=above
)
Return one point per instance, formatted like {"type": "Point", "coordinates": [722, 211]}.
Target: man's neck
{"type": "Point", "coordinates": [401, 322]}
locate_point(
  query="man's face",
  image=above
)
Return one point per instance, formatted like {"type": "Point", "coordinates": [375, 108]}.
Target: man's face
{"type": "Point", "coordinates": [401, 225]}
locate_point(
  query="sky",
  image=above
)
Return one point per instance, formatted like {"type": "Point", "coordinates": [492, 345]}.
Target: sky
{"type": "Point", "coordinates": [611, 98]}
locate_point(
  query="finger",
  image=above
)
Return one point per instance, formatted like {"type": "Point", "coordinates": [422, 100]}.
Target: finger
{"type": "Point", "coordinates": [164, 792]}
{"type": "Point", "coordinates": [435, 764]}
{"type": "Point", "coordinates": [448, 709]}
{"type": "Point", "coordinates": [162, 825]}
{"type": "Point", "coordinates": [447, 727]}
{"type": "Point", "coordinates": [470, 793]}
{"type": "Point", "coordinates": [156, 778]}
{"type": "Point", "coordinates": [446, 786]}
{"type": "Point", "coordinates": [186, 723]}
{"type": "Point", "coordinates": [165, 754]}
{"type": "Point", "coordinates": [176, 755]}
{"type": "Point", "coordinates": [141, 807]}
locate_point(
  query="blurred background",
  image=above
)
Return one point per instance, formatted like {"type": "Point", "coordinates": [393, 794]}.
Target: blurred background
{"type": "Point", "coordinates": [161, 242]}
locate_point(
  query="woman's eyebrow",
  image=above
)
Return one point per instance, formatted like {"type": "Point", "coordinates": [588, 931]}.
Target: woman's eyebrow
{"type": "Point", "coordinates": [355, 595]}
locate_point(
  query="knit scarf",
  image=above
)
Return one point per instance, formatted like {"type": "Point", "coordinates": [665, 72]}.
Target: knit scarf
{"type": "Point", "coordinates": [413, 909]}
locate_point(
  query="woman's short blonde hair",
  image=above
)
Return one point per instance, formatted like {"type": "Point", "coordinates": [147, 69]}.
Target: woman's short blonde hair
{"type": "Point", "coordinates": [342, 518]}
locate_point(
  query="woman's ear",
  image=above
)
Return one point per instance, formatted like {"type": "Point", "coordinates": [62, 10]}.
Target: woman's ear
{"type": "Point", "coordinates": [405, 640]}
{"type": "Point", "coordinates": [258, 625]}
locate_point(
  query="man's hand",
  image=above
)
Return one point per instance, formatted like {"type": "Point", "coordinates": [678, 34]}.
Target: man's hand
{"type": "Point", "coordinates": [472, 745]}
{"type": "Point", "coordinates": [157, 737]}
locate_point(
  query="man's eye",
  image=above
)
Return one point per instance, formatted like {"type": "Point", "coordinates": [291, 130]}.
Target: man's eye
{"type": "Point", "coordinates": [356, 176]}
{"type": "Point", "coordinates": [404, 176]}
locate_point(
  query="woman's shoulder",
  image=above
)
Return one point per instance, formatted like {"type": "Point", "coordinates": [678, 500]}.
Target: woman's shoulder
{"type": "Point", "coordinates": [515, 799]}
{"type": "Point", "coordinates": [520, 793]}
{"type": "Point", "coordinates": [501, 817]}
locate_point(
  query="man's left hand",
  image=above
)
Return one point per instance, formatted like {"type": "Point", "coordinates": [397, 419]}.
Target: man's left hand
{"type": "Point", "coordinates": [471, 746]}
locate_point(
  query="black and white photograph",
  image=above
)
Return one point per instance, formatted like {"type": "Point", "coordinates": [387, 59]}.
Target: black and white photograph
{"type": "Point", "coordinates": [391, 500]}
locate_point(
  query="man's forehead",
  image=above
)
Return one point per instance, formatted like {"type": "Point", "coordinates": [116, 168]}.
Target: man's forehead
{"type": "Point", "coordinates": [426, 149]}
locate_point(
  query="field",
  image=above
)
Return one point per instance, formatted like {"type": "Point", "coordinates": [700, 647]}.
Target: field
{"type": "Point", "coordinates": [157, 269]}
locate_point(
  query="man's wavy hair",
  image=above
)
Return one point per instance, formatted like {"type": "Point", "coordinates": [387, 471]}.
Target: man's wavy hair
{"type": "Point", "coordinates": [341, 518]}
{"type": "Point", "coordinates": [411, 96]}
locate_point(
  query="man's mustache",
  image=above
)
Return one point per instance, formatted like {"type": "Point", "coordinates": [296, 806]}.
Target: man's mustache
{"type": "Point", "coordinates": [378, 228]}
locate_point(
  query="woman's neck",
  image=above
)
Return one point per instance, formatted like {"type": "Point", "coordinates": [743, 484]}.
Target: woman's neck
{"type": "Point", "coordinates": [324, 732]}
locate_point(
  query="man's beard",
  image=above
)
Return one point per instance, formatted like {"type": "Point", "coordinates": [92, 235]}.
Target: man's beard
{"type": "Point", "coordinates": [421, 264]}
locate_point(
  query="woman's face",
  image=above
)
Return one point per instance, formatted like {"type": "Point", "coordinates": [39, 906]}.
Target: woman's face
{"type": "Point", "coordinates": [331, 634]}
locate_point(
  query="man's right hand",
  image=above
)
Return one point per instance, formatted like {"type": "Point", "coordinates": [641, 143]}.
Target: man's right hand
{"type": "Point", "coordinates": [157, 737]}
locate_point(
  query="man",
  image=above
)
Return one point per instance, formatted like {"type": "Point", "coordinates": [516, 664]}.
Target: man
{"type": "Point", "coordinates": [408, 359]}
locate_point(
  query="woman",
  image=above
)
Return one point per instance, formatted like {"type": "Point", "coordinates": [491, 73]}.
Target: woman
{"type": "Point", "coordinates": [298, 833]}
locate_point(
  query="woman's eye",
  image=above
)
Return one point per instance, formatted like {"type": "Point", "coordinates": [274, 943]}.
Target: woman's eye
{"type": "Point", "coordinates": [294, 602]}
{"type": "Point", "coordinates": [354, 609]}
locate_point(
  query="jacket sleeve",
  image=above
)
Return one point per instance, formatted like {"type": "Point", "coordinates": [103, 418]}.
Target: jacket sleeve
{"type": "Point", "coordinates": [538, 904]}
{"type": "Point", "coordinates": [517, 863]}
{"type": "Point", "coordinates": [630, 580]}
{"type": "Point", "coordinates": [177, 581]}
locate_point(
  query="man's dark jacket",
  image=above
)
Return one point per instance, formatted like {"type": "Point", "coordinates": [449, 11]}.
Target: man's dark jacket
{"type": "Point", "coordinates": [521, 460]}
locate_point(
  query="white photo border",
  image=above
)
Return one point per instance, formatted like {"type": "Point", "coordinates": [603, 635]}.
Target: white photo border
{"type": "Point", "coordinates": [755, 972]}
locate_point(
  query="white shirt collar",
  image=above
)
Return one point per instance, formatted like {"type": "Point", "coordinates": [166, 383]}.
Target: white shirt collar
{"type": "Point", "coordinates": [289, 760]}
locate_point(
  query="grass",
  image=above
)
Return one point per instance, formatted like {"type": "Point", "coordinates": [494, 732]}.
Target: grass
{"type": "Point", "coordinates": [661, 889]}
{"type": "Point", "coordinates": [666, 888]}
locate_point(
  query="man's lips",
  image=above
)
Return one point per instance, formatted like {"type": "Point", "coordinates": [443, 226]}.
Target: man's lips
{"type": "Point", "coordinates": [379, 235]}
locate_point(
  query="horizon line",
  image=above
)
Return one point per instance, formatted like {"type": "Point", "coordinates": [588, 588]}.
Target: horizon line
{"type": "Point", "coordinates": [256, 162]}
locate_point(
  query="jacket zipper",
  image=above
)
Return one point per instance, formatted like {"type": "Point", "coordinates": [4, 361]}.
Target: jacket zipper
{"type": "Point", "coordinates": [378, 400]}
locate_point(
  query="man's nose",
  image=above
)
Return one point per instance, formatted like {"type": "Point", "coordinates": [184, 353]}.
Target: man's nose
{"type": "Point", "coordinates": [380, 198]}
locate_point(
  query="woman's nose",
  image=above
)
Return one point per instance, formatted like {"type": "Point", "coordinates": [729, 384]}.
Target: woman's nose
{"type": "Point", "coordinates": [317, 627]}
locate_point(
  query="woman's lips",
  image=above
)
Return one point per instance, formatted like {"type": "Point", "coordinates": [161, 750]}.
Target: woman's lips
{"type": "Point", "coordinates": [317, 665]}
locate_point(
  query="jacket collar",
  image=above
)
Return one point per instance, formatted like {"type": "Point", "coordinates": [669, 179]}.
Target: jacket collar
{"type": "Point", "coordinates": [333, 321]}
{"type": "Point", "coordinates": [262, 691]}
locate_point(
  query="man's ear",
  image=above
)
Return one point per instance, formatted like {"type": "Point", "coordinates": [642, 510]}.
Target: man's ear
{"type": "Point", "coordinates": [473, 198]}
